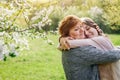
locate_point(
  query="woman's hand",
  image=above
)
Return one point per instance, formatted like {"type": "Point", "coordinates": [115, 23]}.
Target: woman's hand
{"type": "Point", "coordinates": [64, 45]}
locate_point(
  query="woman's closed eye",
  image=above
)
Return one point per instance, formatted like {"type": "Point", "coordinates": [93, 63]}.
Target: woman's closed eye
{"type": "Point", "coordinates": [87, 27]}
{"type": "Point", "coordinates": [76, 29]}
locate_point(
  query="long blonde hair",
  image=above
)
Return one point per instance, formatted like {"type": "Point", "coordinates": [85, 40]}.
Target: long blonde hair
{"type": "Point", "coordinates": [91, 23]}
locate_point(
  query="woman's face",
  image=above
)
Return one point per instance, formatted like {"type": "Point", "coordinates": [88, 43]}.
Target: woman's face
{"type": "Point", "coordinates": [77, 32]}
{"type": "Point", "coordinates": [90, 32]}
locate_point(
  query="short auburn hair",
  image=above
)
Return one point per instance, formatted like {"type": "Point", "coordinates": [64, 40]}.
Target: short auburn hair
{"type": "Point", "coordinates": [67, 23]}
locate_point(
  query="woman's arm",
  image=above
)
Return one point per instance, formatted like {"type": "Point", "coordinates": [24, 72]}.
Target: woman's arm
{"type": "Point", "coordinates": [88, 55]}
{"type": "Point", "coordinates": [79, 42]}
{"type": "Point", "coordinates": [95, 41]}
{"type": "Point", "coordinates": [69, 42]}
{"type": "Point", "coordinates": [63, 43]}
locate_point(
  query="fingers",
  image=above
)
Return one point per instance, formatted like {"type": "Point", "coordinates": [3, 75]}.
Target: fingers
{"type": "Point", "coordinates": [64, 44]}
{"type": "Point", "coordinates": [59, 47]}
{"type": "Point", "coordinates": [69, 38]}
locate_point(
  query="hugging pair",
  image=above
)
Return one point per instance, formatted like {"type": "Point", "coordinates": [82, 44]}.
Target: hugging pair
{"type": "Point", "coordinates": [87, 53]}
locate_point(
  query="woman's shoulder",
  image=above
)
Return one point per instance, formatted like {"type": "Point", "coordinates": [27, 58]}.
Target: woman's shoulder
{"type": "Point", "coordinates": [100, 38]}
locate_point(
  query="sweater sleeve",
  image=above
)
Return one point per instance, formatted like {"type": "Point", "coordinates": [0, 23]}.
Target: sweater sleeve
{"type": "Point", "coordinates": [90, 55]}
{"type": "Point", "coordinates": [79, 42]}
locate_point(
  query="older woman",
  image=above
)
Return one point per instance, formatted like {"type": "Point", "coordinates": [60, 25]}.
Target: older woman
{"type": "Point", "coordinates": [82, 63]}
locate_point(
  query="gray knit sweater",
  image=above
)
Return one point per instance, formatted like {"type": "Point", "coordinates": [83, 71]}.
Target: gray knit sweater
{"type": "Point", "coordinates": [81, 63]}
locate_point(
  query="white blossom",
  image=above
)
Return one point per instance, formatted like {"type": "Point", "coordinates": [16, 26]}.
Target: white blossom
{"type": "Point", "coordinates": [1, 34]}
{"type": "Point", "coordinates": [12, 40]}
{"type": "Point", "coordinates": [50, 42]}
{"type": "Point", "coordinates": [3, 50]}
{"type": "Point", "coordinates": [13, 49]}
{"type": "Point", "coordinates": [1, 18]}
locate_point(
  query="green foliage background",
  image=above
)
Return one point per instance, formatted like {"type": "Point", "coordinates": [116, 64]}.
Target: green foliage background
{"type": "Point", "coordinates": [108, 20]}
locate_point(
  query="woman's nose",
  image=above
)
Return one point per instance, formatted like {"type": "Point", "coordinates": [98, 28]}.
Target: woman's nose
{"type": "Point", "coordinates": [86, 32]}
{"type": "Point", "coordinates": [81, 29]}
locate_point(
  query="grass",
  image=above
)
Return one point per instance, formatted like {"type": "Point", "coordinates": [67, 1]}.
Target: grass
{"type": "Point", "coordinates": [41, 62]}
{"type": "Point", "coordinates": [115, 38]}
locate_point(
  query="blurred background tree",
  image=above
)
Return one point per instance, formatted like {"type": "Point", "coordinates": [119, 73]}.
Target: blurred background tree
{"type": "Point", "coordinates": [35, 18]}
{"type": "Point", "coordinates": [112, 14]}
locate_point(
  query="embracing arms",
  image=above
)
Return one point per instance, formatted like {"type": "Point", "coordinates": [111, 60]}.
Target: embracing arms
{"type": "Point", "coordinates": [79, 42]}
{"type": "Point", "coordinates": [67, 43]}
{"type": "Point", "coordinates": [90, 55]}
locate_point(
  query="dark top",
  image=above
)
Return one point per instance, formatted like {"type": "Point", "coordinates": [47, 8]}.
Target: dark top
{"type": "Point", "coordinates": [81, 63]}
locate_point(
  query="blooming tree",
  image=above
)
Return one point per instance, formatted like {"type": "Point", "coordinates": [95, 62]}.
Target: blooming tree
{"type": "Point", "coordinates": [13, 37]}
